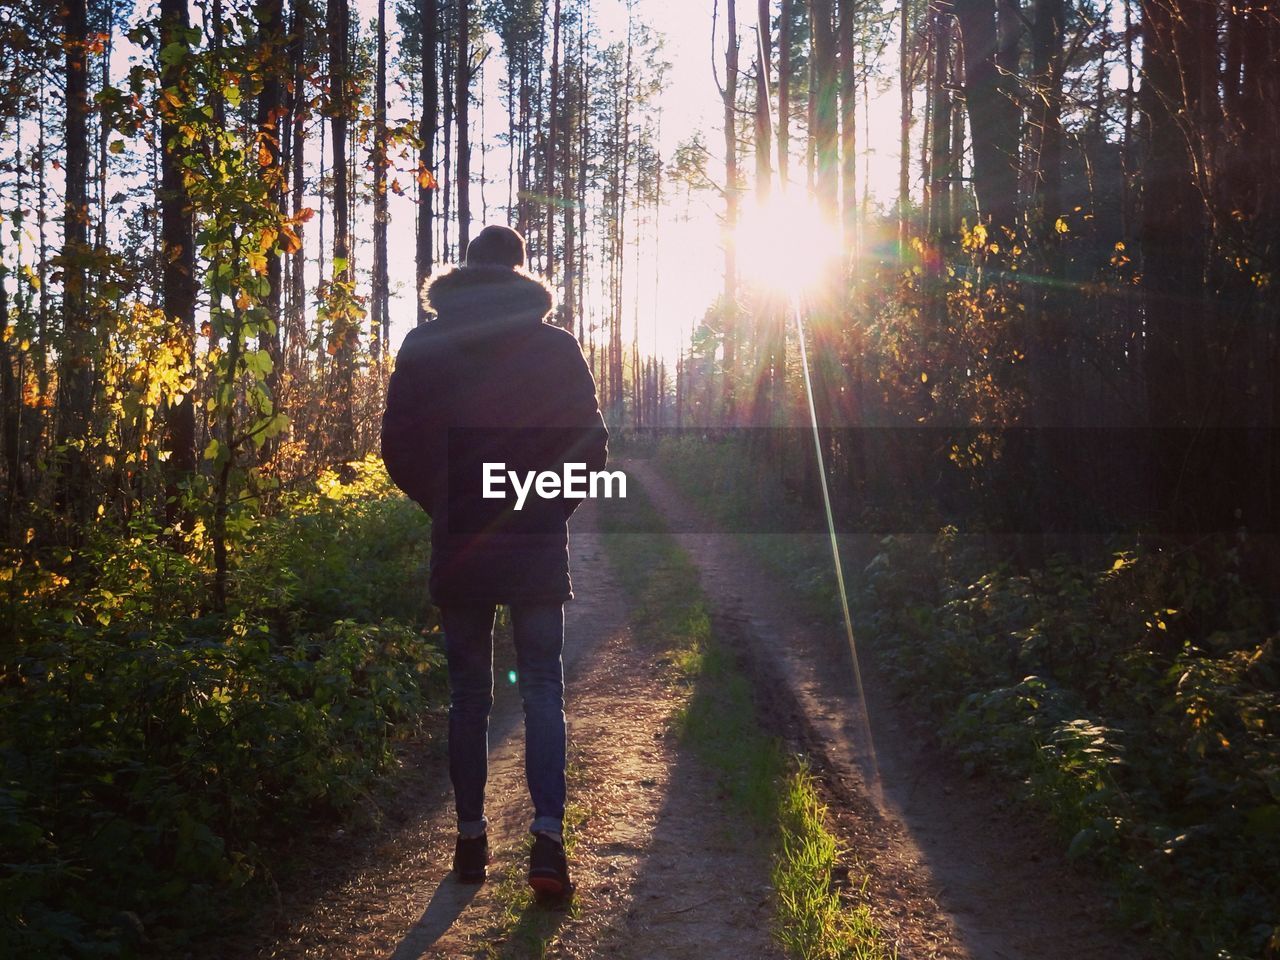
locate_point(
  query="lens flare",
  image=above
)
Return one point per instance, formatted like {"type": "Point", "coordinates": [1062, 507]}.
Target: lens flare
{"type": "Point", "coordinates": [786, 243]}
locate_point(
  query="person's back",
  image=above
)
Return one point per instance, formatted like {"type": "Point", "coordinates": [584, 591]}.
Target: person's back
{"type": "Point", "coordinates": [487, 381]}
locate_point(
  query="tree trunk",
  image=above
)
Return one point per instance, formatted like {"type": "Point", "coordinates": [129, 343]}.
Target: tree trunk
{"type": "Point", "coordinates": [764, 144]}
{"type": "Point", "coordinates": [42, 274]}
{"type": "Point", "coordinates": [567, 192]}
{"type": "Point", "coordinates": [584, 131]}
{"type": "Point", "coordinates": [379, 318]}
{"type": "Point", "coordinates": [769, 317]}
{"type": "Point", "coordinates": [904, 135]}
{"type": "Point", "coordinates": [296, 334]}
{"type": "Point", "coordinates": [552, 143]}
{"type": "Point", "coordinates": [1046, 117]}
{"type": "Point", "coordinates": [271, 37]}
{"type": "Point", "coordinates": [993, 115]}
{"type": "Point", "coordinates": [345, 333]}
{"type": "Point", "coordinates": [537, 141]}
{"type": "Point", "coordinates": [447, 74]}
{"type": "Point", "coordinates": [75, 407]}
{"type": "Point", "coordinates": [732, 191]}
{"type": "Point", "coordinates": [823, 93]}
{"type": "Point", "coordinates": [622, 141]}
{"type": "Point", "coordinates": [784, 94]}
{"type": "Point", "coordinates": [107, 9]}
{"type": "Point", "coordinates": [10, 425]}
{"type": "Point", "coordinates": [178, 286]}
{"type": "Point", "coordinates": [848, 128]}
{"type": "Point", "coordinates": [427, 130]}
{"type": "Point", "coordinates": [940, 159]}
{"type": "Point", "coordinates": [462, 90]}
{"type": "Point", "coordinates": [1172, 238]}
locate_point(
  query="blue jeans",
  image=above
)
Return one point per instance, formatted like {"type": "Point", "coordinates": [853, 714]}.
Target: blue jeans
{"type": "Point", "coordinates": [539, 638]}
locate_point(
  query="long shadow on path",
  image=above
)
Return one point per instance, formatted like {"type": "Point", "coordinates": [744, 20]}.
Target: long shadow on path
{"type": "Point", "coordinates": [446, 905]}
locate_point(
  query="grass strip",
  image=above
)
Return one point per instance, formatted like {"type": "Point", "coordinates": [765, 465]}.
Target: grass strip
{"type": "Point", "coordinates": [816, 916]}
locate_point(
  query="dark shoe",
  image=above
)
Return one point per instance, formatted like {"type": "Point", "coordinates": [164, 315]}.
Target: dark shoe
{"type": "Point", "coordinates": [470, 858]}
{"type": "Point", "coordinates": [548, 868]}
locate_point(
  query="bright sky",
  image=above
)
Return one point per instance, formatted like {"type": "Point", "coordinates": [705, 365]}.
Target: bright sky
{"type": "Point", "coordinates": [686, 259]}
{"type": "Point", "coordinates": [679, 271]}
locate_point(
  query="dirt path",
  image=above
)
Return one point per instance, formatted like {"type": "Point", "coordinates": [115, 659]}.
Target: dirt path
{"type": "Point", "coordinates": [955, 873]}
{"type": "Point", "coordinates": [659, 871]}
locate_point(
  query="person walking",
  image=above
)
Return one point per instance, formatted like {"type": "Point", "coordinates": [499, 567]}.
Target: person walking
{"type": "Point", "coordinates": [488, 380]}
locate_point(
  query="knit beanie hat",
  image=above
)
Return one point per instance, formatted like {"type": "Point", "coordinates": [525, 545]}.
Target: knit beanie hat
{"type": "Point", "coordinates": [500, 246]}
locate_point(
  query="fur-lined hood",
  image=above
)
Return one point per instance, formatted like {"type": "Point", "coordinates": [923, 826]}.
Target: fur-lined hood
{"type": "Point", "coordinates": [487, 294]}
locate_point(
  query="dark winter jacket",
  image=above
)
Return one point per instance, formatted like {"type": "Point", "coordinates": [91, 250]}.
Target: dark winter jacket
{"type": "Point", "coordinates": [488, 381]}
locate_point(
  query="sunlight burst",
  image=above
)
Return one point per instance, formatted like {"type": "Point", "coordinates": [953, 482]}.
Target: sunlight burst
{"type": "Point", "coordinates": [786, 243]}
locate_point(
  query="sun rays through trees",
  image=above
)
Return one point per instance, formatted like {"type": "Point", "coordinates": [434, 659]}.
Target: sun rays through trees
{"type": "Point", "coordinates": [1034, 243]}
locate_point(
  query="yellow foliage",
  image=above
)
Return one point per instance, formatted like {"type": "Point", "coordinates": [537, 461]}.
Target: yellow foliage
{"type": "Point", "coordinates": [257, 263]}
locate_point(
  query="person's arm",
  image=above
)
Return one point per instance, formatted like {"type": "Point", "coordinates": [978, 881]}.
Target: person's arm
{"type": "Point", "coordinates": [409, 423]}
{"type": "Point", "coordinates": [588, 440]}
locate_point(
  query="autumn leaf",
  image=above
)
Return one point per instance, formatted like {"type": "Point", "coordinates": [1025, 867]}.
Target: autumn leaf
{"type": "Point", "coordinates": [426, 180]}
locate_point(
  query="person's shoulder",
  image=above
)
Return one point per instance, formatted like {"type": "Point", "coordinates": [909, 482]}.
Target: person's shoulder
{"type": "Point", "coordinates": [422, 333]}
{"type": "Point", "coordinates": [418, 344]}
{"type": "Point", "coordinates": [561, 349]}
{"type": "Point", "coordinates": [558, 338]}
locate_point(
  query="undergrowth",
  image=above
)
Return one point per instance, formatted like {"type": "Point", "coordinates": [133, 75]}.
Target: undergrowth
{"type": "Point", "coordinates": [153, 751]}
{"type": "Point", "coordinates": [814, 919]}
{"type": "Point", "coordinates": [1134, 696]}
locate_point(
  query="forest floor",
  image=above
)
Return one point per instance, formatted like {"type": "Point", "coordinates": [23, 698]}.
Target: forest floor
{"type": "Point", "coordinates": [663, 868]}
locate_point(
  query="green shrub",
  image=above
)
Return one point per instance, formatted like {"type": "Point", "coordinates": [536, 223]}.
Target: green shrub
{"type": "Point", "coordinates": [1156, 754]}
{"type": "Point", "coordinates": [151, 753]}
